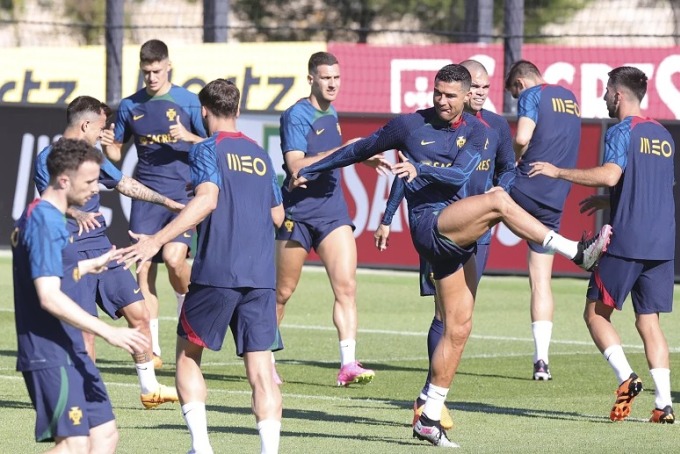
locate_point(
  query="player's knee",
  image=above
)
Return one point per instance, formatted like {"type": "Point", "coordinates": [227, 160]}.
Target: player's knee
{"type": "Point", "coordinates": [500, 202]}
{"type": "Point", "coordinates": [345, 291]}
{"type": "Point", "coordinates": [283, 293]}
{"type": "Point", "coordinates": [175, 263]}
{"type": "Point", "coordinates": [458, 332]}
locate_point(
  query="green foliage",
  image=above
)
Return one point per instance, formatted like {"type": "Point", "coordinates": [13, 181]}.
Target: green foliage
{"type": "Point", "coordinates": [90, 15]}
{"type": "Point", "coordinates": [346, 20]}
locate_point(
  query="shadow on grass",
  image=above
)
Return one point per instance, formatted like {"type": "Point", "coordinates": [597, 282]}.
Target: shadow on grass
{"type": "Point", "coordinates": [5, 404]}
{"type": "Point", "coordinates": [286, 434]}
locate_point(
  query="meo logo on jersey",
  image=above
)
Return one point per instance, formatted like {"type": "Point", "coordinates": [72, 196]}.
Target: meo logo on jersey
{"type": "Point", "coordinates": [246, 164]}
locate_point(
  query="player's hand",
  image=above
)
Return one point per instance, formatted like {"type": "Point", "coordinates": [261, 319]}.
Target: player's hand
{"type": "Point", "coordinates": [97, 265]}
{"type": "Point", "coordinates": [86, 221]}
{"type": "Point", "coordinates": [495, 189]}
{"type": "Point", "coordinates": [593, 203]}
{"type": "Point", "coordinates": [144, 249]}
{"type": "Point", "coordinates": [543, 168]}
{"type": "Point", "coordinates": [178, 131]}
{"type": "Point", "coordinates": [297, 182]}
{"type": "Point", "coordinates": [378, 162]}
{"type": "Point", "coordinates": [173, 206]}
{"type": "Point", "coordinates": [107, 136]}
{"type": "Point", "coordinates": [404, 169]}
{"type": "Point", "coordinates": [129, 339]}
{"type": "Point", "coordinates": [381, 236]}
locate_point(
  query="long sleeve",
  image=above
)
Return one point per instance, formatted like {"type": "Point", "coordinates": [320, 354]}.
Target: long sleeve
{"type": "Point", "coordinates": [394, 200]}
{"type": "Point", "coordinates": [504, 174]}
{"type": "Point", "coordinates": [455, 176]}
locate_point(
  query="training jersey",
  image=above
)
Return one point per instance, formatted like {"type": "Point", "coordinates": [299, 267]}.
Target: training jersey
{"type": "Point", "coordinates": [642, 202]}
{"type": "Point", "coordinates": [109, 176]}
{"type": "Point", "coordinates": [307, 129]}
{"type": "Point", "coordinates": [235, 245]}
{"type": "Point", "coordinates": [496, 168]}
{"type": "Point", "coordinates": [163, 161]}
{"type": "Point", "coordinates": [556, 139]}
{"type": "Point", "coordinates": [444, 154]}
{"type": "Point", "coordinates": [38, 239]}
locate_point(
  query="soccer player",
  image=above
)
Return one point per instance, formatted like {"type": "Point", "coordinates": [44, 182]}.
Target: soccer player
{"type": "Point", "coordinates": [440, 148]}
{"type": "Point", "coordinates": [548, 129]}
{"type": "Point", "coordinates": [318, 218]}
{"type": "Point", "coordinates": [66, 390]}
{"type": "Point", "coordinates": [165, 121]}
{"type": "Point", "coordinates": [116, 291]}
{"type": "Point", "coordinates": [638, 167]}
{"type": "Point", "coordinates": [496, 168]}
{"type": "Point", "coordinates": [236, 206]}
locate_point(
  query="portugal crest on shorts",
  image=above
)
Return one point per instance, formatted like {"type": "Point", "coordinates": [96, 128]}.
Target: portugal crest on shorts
{"type": "Point", "coordinates": [460, 141]}
{"type": "Point", "coordinates": [75, 414]}
{"type": "Point", "coordinates": [288, 224]}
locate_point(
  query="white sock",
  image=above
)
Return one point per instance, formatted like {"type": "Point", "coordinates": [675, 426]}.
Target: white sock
{"type": "Point", "coordinates": [617, 359]}
{"type": "Point", "coordinates": [147, 377]}
{"type": "Point", "coordinates": [555, 242]}
{"type": "Point", "coordinates": [347, 351]}
{"type": "Point", "coordinates": [180, 302]}
{"type": "Point", "coordinates": [197, 423]}
{"type": "Point", "coordinates": [436, 396]}
{"type": "Point", "coordinates": [542, 331]}
{"type": "Point", "coordinates": [662, 382]}
{"type": "Point", "coordinates": [155, 345]}
{"type": "Point", "coordinates": [270, 434]}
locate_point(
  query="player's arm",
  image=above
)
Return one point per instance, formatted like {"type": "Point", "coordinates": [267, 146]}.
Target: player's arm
{"type": "Point", "coordinates": [525, 131]}
{"type": "Point", "coordinates": [386, 138]}
{"type": "Point", "coordinates": [54, 301]}
{"type": "Point", "coordinates": [606, 175]}
{"type": "Point", "coordinates": [86, 221]}
{"type": "Point", "coordinates": [136, 190]}
{"type": "Point", "coordinates": [382, 233]}
{"type": "Point", "coordinates": [179, 132]}
{"type": "Point", "coordinates": [277, 211]}
{"type": "Point", "coordinates": [147, 246]}
{"type": "Point", "coordinates": [118, 133]}
{"type": "Point", "coordinates": [504, 173]}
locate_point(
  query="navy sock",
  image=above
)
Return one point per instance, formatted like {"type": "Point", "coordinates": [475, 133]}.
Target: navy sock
{"type": "Point", "coordinates": [433, 336]}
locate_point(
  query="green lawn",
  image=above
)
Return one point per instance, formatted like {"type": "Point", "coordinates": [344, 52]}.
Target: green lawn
{"type": "Point", "coordinates": [495, 405]}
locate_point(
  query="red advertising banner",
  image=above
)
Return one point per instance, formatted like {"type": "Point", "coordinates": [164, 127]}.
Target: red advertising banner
{"type": "Point", "coordinates": [366, 193]}
{"type": "Point", "coordinates": [383, 79]}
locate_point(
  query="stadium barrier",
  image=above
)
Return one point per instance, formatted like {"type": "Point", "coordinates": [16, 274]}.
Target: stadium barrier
{"type": "Point", "coordinates": [28, 129]}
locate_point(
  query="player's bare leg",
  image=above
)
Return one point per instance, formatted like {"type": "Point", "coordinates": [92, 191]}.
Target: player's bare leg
{"type": "Point", "coordinates": [104, 438]}
{"type": "Point", "coordinates": [290, 258]}
{"type": "Point", "coordinates": [88, 338]}
{"type": "Point", "coordinates": [146, 278]}
{"type": "Point", "coordinates": [266, 399]}
{"type": "Point", "coordinates": [179, 271]}
{"type": "Point", "coordinates": [66, 445]}
{"type": "Point", "coordinates": [540, 278]}
{"type": "Point", "coordinates": [338, 253]}
{"type": "Point", "coordinates": [656, 352]}
{"type": "Point", "coordinates": [192, 393]}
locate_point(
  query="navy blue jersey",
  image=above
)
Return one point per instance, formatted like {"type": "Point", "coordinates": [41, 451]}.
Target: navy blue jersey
{"type": "Point", "coordinates": [307, 129]}
{"type": "Point", "coordinates": [496, 168]}
{"type": "Point", "coordinates": [444, 154]}
{"type": "Point", "coordinates": [236, 241]}
{"type": "Point", "coordinates": [38, 239]}
{"type": "Point", "coordinates": [109, 176]}
{"type": "Point", "coordinates": [642, 202]}
{"type": "Point", "coordinates": [163, 161]}
{"type": "Point", "coordinates": [556, 138]}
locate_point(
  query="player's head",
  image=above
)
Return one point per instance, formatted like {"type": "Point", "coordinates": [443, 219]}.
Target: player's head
{"type": "Point", "coordinates": [522, 75]}
{"type": "Point", "coordinates": [627, 82]}
{"type": "Point", "coordinates": [154, 62]}
{"type": "Point", "coordinates": [220, 98]}
{"type": "Point", "coordinates": [74, 167]}
{"type": "Point", "coordinates": [479, 86]}
{"type": "Point", "coordinates": [451, 91]}
{"type": "Point", "coordinates": [86, 118]}
{"type": "Point", "coordinates": [324, 77]}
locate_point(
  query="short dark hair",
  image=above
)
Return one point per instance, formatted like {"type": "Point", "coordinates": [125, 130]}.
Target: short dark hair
{"type": "Point", "coordinates": [152, 51]}
{"type": "Point", "coordinates": [454, 73]}
{"type": "Point", "coordinates": [521, 68]}
{"type": "Point", "coordinates": [68, 155]}
{"type": "Point", "coordinates": [220, 97]}
{"type": "Point", "coordinates": [631, 78]}
{"type": "Point", "coordinates": [319, 59]}
{"type": "Point", "coordinates": [84, 105]}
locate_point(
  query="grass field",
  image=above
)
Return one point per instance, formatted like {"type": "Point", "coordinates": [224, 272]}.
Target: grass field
{"type": "Point", "coordinates": [495, 405]}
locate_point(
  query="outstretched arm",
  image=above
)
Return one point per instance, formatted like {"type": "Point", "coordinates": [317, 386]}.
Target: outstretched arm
{"type": "Point", "coordinates": [136, 190]}
{"type": "Point", "coordinates": [504, 173]}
